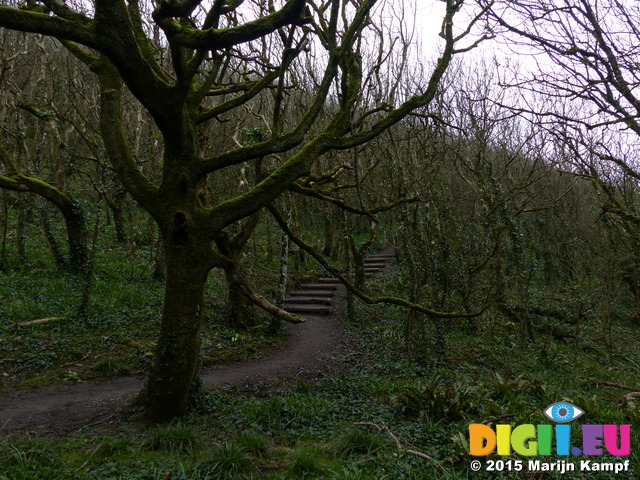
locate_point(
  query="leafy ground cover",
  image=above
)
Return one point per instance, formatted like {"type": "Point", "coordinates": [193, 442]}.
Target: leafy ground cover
{"type": "Point", "coordinates": [390, 414]}
{"type": "Point", "coordinates": [117, 335]}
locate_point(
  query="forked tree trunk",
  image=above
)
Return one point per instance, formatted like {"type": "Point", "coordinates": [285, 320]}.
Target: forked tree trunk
{"type": "Point", "coordinates": [240, 311]}
{"type": "Point", "coordinates": [115, 204]}
{"type": "Point", "coordinates": [173, 381]}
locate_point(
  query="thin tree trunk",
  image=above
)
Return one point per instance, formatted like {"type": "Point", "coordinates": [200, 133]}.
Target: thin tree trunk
{"type": "Point", "coordinates": [77, 240]}
{"type": "Point", "coordinates": [51, 239]}
{"type": "Point", "coordinates": [21, 228]}
{"type": "Point", "coordinates": [87, 276]}
{"type": "Point", "coordinates": [284, 270]}
{"type": "Point", "coordinates": [115, 205]}
{"type": "Point", "coordinates": [5, 215]}
{"type": "Point", "coordinates": [327, 250]}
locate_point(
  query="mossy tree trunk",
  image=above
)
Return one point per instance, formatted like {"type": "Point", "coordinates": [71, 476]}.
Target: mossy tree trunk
{"type": "Point", "coordinates": [240, 312]}
{"type": "Point", "coordinates": [23, 208]}
{"type": "Point", "coordinates": [56, 251]}
{"type": "Point", "coordinates": [173, 381]}
{"type": "Point", "coordinates": [77, 239]}
{"type": "Point", "coordinates": [239, 308]}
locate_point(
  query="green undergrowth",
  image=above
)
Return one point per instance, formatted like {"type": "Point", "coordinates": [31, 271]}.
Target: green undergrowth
{"type": "Point", "coordinates": [117, 335]}
{"type": "Point", "coordinates": [394, 413]}
{"type": "Point", "coordinates": [399, 409]}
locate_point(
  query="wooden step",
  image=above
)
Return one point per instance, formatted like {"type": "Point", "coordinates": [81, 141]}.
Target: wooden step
{"type": "Point", "coordinates": [375, 264]}
{"type": "Point", "coordinates": [312, 293]}
{"type": "Point", "coordinates": [329, 280]}
{"type": "Point", "coordinates": [309, 300]}
{"type": "Point", "coordinates": [308, 309]}
{"type": "Point", "coordinates": [318, 286]}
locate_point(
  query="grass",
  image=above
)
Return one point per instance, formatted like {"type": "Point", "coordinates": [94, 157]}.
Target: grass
{"type": "Point", "coordinates": [175, 439]}
{"type": "Point", "coordinates": [110, 367]}
{"type": "Point", "coordinates": [230, 460]}
{"type": "Point", "coordinates": [358, 441]}
{"type": "Point", "coordinates": [118, 335]}
{"type": "Point", "coordinates": [112, 446]}
{"type": "Point", "coordinates": [309, 431]}
{"type": "Point", "coordinates": [308, 462]}
{"type": "Point", "coordinates": [421, 400]}
{"type": "Point", "coordinates": [253, 443]}
{"type": "Point", "coordinates": [291, 412]}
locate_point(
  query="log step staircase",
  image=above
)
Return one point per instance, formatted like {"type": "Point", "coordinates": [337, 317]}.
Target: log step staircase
{"type": "Point", "coordinates": [317, 298]}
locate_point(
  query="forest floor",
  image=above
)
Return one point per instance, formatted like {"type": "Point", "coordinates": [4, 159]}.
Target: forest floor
{"type": "Point", "coordinates": [338, 399]}
{"type": "Point", "coordinates": [67, 408]}
{"type": "Point", "coordinates": [308, 352]}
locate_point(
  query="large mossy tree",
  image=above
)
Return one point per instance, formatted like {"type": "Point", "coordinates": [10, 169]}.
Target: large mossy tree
{"type": "Point", "coordinates": [190, 64]}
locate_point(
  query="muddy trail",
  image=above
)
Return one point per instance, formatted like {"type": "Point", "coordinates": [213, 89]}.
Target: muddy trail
{"type": "Point", "coordinates": [308, 352]}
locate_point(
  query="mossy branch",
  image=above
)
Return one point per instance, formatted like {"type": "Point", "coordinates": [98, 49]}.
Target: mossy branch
{"type": "Point", "coordinates": [112, 130]}
{"type": "Point", "coordinates": [215, 39]}
{"type": "Point", "coordinates": [283, 142]}
{"type": "Point", "coordinates": [210, 112]}
{"type": "Point", "coordinates": [86, 57]}
{"type": "Point", "coordinates": [23, 183]}
{"type": "Point", "coordinates": [270, 188]}
{"type": "Point", "coordinates": [417, 101]}
{"type": "Point", "coordinates": [75, 28]}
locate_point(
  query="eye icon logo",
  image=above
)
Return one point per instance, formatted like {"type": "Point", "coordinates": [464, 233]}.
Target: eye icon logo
{"type": "Point", "coordinates": [563, 412]}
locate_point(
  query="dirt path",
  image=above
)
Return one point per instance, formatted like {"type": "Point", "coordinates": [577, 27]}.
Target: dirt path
{"type": "Point", "coordinates": [58, 409]}
{"type": "Point", "coordinates": [65, 408]}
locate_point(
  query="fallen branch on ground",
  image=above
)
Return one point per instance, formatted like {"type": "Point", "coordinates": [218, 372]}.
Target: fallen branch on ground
{"type": "Point", "coordinates": [616, 385]}
{"type": "Point", "coordinates": [40, 320]}
{"type": "Point", "coordinates": [383, 429]}
{"type": "Point", "coordinates": [259, 300]}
